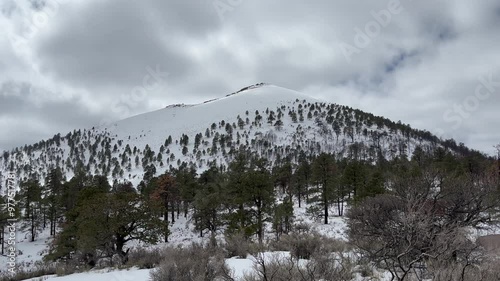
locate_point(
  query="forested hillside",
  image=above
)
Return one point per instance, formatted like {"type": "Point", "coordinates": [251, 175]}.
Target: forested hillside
{"type": "Point", "coordinates": [275, 123]}
{"type": "Point", "coordinates": [339, 193]}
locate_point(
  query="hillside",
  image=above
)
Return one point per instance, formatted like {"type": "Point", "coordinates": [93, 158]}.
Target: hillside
{"type": "Point", "coordinates": [312, 164]}
{"type": "Point", "coordinates": [270, 120]}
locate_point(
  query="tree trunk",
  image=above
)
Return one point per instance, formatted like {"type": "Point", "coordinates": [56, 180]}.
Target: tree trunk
{"type": "Point", "coordinates": [299, 195]}
{"type": "Point", "coordinates": [259, 221]}
{"type": "Point", "coordinates": [185, 210]}
{"type": "Point", "coordinates": [165, 218]}
{"type": "Point", "coordinates": [214, 222]}
{"type": "Point", "coordinates": [242, 217]}
{"type": "Point", "coordinates": [52, 220]}
{"type": "Point", "coordinates": [2, 238]}
{"type": "Point", "coordinates": [32, 227]}
{"type": "Point", "coordinates": [120, 243]}
{"type": "Point", "coordinates": [172, 212]}
{"type": "Point", "coordinates": [325, 203]}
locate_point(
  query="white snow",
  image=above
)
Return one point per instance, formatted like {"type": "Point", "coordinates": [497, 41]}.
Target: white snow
{"type": "Point", "coordinates": [31, 251]}
{"type": "Point", "coordinates": [153, 128]}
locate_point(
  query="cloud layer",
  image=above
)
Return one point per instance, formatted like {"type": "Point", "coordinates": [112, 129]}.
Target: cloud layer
{"type": "Point", "coordinates": [65, 64]}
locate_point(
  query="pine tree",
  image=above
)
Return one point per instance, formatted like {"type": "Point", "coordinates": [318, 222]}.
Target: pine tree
{"type": "Point", "coordinates": [324, 176]}
{"type": "Point", "coordinates": [261, 194]}
{"type": "Point", "coordinates": [197, 140]}
{"type": "Point", "coordinates": [103, 222]}
{"type": "Point", "coordinates": [208, 201]}
{"type": "Point", "coordinates": [53, 198]}
{"type": "Point", "coordinates": [354, 179]}
{"type": "Point", "coordinates": [238, 219]}
{"type": "Point", "coordinates": [31, 196]}
{"type": "Point", "coordinates": [300, 180]}
{"type": "Point", "coordinates": [165, 194]}
{"type": "Point", "coordinates": [187, 185]}
{"type": "Point", "coordinates": [282, 218]}
{"type": "Point", "coordinates": [4, 216]}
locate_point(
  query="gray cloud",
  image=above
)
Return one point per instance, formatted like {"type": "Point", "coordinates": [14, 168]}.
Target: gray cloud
{"type": "Point", "coordinates": [112, 43]}
{"type": "Point", "coordinates": [421, 63]}
{"type": "Point", "coordinates": [25, 119]}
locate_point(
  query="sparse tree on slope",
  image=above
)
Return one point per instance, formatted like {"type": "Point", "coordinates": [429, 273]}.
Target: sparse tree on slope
{"type": "Point", "coordinates": [165, 194]}
{"type": "Point", "coordinates": [31, 196]}
{"type": "Point", "coordinates": [324, 173]}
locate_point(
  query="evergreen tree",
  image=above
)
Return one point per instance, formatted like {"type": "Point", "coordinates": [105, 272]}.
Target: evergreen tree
{"type": "Point", "coordinates": [31, 196]}
{"type": "Point", "coordinates": [282, 218]}
{"type": "Point", "coordinates": [261, 194]}
{"type": "Point", "coordinates": [4, 216]}
{"type": "Point", "coordinates": [208, 201]}
{"type": "Point", "coordinates": [187, 185]}
{"type": "Point", "coordinates": [165, 194]}
{"type": "Point", "coordinates": [103, 222]}
{"type": "Point", "coordinates": [53, 198]}
{"type": "Point", "coordinates": [238, 217]}
{"type": "Point", "coordinates": [324, 174]}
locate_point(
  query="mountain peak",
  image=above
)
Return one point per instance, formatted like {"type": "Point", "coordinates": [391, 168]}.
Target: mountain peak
{"type": "Point", "coordinates": [258, 85]}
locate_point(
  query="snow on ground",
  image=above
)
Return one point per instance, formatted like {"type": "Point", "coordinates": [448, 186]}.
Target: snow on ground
{"type": "Point", "coordinates": [29, 252]}
{"type": "Point", "coordinates": [183, 234]}
{"type": "Point", "coordinates": [335, 228]}
{"type": "Point", "coordinates": [240, 267]}
{"type": "Point", "coordinates": [133, 274]}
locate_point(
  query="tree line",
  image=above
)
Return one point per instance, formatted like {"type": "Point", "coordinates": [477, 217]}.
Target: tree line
{"type": "Point", "coordinates": [92, 219]}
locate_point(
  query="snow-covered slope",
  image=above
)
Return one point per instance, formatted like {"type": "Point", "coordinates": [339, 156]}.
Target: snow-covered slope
{"type": "Point", "coordinates": [272, 121]}
{"type": "Point", "coordinates": [192, 119]}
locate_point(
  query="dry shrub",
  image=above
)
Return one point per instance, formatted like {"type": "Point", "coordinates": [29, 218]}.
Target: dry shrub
{"type": "Point", "coordinates": [275, 268]}
{"type": "Point", "coordinates": [194, 263]}
{"type": "Point", "coordinates": [237, 246]}
{"type": "Point", "coordinates": [489, 270]}
{"type": "Point", "coordinates": [321, 267]}
{"type": "Point", "coordinates": [486, 270]}
{"type": "Point", "coordinates": [40, 269]}
{"type": "Point", "coordinates": [304, 245]}
{"type": "Point", "coordinates": [144, 258]}
{"type": "Point", "coordinates": [332, 266]}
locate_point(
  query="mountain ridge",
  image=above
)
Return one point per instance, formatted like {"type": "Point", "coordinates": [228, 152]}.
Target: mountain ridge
{"type": "Point", "coordinates": [269, 120]}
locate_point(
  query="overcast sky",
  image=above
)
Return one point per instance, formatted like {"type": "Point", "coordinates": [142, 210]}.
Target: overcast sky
{"type": "Point", "coordinates": [67, 64]}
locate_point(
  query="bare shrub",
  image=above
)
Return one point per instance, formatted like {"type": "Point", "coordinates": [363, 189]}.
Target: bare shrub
{"type": "Point", "coordinates": [323, 266]}
{"type": "Point", "coordinates": [489, 271]}
{"type": "Point", "coordinates": [144, 258]}
{"type": "Point", "coordinates": [194, 263]}
{"type": "Point", "coordinates": [303, 245]}
{"type": "Point", "coordinates": [68, 268]}
{"type": "Point", "coordinates": [40, 269]}
{"type": "Point", "coordinates": [237, 246]}
{"type": "Point", "coordinates": [275, 268]}
{"type": "Point", "coordinates": [421, 224]}
{"type": "Point", "coordinates": [302, 226]}
{"type": "Point", "coordinates": [365, 270]}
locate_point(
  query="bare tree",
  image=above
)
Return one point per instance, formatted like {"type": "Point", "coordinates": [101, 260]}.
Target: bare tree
{"type": "Point", "coordinates": [422, 221]}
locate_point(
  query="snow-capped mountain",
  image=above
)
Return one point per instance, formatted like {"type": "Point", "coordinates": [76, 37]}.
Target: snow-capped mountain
{"type": "Point", "coordinates": [272, 121]}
